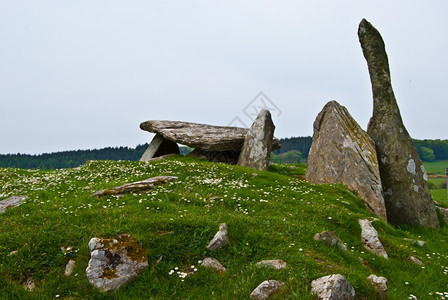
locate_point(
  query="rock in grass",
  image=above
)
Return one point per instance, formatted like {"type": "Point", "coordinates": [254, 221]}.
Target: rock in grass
{"type": "Point", "coordinates": [257, 146]}
{"type": "Point", "coordinates": [135, 187]}
{"type": "Point", "coordinates": [220, 239]}
{"type": "Point", "coordinates": [380, 285]}
{"type": "Point", "coordinates": [159, 146]}
{"type": "Point", "coordinates": [114, 262]}
{"type": "Point", "coordinates": [332, 287]}
{"type": "Point", "coordinates": [331, 239]}
{"type": "Point", "coordinates": [69, 267]}
{"type": "Point", "coordinates": [266, 289]}
{"type": "Point", "coordinates": [416, 261]}
{"type": "Point", "coordinates": [273, 263]}
{"type": "Point", "coordinates": [213, 263]}
{"type": "Point", "coordinates": [370, 238]}
{"type": "Point", "coordinates": [342, 152]}
{"type": "Point", "coordinates": [10, 202]}
{"type": "Point", "coordinates": [29, 285]}
{"type": "Point", "coordinates": [404, 179]}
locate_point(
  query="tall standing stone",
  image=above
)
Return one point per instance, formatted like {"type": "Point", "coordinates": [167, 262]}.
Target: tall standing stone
{"type": "Point", "coordinates": [404, 179]}
{"type": "Point", "coordinates": [342, 152]}
{"type": "Point", "coordinates": [159, 146]}
{"type": "Point", "coordinates": [257, 146]}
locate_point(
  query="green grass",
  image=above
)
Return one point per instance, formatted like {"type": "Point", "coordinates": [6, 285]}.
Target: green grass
{"type": "Point", "coordinates": [270, 215]}
{"type": "Point", "coordinates": [436, 167]}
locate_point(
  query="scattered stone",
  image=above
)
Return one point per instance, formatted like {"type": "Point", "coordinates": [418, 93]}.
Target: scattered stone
{"type": "Point", "coordinates": [15, 252]}
{"type": "Point", "coordinates": [221, 143]}
{"type": "Point", "coordinates": [274, 263]}
{"type": "Point", "coordinates": [342, 152]}
{"type": "Point", "coordinates": [266, 289]}
{"type": "Point", "coordinates": [257, 147]}
{"type": "Point", "coordinates": [420, 243]}
{"type": "Point", "coordinates": [114, 262]}
{"type": "Point", "coordinates": [331, 239]}
{"type": "Point", "coordinates": [135, 187]}
{"type": "Point", "coordinates": [159, 147]}
{"type": "Point", "coordinates": [404, 179]}
{"type": "Point", "coordinates": [380, 284]}
{"type": "Point", "coordinates": [370, 238]}
{"type": "Point", "coordinates": [13, 201]}
{"type": "Point", "coordinates": [220, 239]}
{"type": "Point", "coordinates": [213, 263]}
{"type": "Point", "coordinates": [332, 287]}
{"type": "Point", "coordinates": [415, 260]}
{"type": "Point", "coordinates": [29, 284]}
{"type": "Point", "coordinates": [444, 212]}
{"type": "Point", "coordinates": [69, 267]}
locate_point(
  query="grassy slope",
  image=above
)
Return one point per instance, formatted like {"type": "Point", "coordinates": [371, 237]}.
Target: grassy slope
{"type": "Point", "coordinates": [270, 216]}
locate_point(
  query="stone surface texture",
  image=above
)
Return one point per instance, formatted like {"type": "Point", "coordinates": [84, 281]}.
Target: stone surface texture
{"type": "Point", "coordinates": [370, 238]}
{"type": "Point", "coordinates": [159, 147]}
{"type": "Point", "coordinates": [220, 239]}
{"type": "Point", "coordinates": [69, 267]}
{"type": "Point", "coordinates": [114, 262]}
{"type": "Point", "coordinates": [266, 289]}
{"type": "Point", "coordinates": [332, 287]}
{"type": "Point", "coordinates": [380, 284]}
{"type": "Point", "coordinates": [135, 187]}
{"type": "Point", "coordinates": [13, 201]}
{"type": "Point", "coordinates": [257, 146]}
{"type": "Point", "coordinates": [272, 263]}
{"type": "Point", "coordinates": [213, 263]}
{"type": "Point", "coordinates": [201, 136]}
{"type": "Point", "coordinates": [331, 239]}
{"type": "Point", "coordinates": [416, 261]}
{"type": "Point", "coordinates": [342, 152]}
{"type": "Point", "coordinates": [403, 177]}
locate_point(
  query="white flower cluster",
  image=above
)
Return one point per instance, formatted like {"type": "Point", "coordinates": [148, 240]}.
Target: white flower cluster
{"type": "Point", "coordinates": [181, 274]}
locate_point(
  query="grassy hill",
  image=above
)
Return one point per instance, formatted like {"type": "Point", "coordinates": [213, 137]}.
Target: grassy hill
{"type": "Point", "coordinates": [270, 215]}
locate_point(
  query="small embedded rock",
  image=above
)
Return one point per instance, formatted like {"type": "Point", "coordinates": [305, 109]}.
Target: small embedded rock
{"type": "Point", "coordinates": [114, 262]}
{"type": "Point", "coordinates": [415, 260]}
{"type": "Point", "coordinates": [10, 202]}
{"type": "Point", "coordinates": [220, 239]}
{"type": "Point", "coordinates": [29, 284]}
{"type": "Point", "coordinates": [380, 284]}
{"type": "Point", "coordinates": [69, 267]}
{"type": "Point", "coordinates": [135, 187]}
{"type": "Point", "coordinates": [370, 238]}
{"type": "Point", "coordinates": [213, 263]}
{"type": "Point", "coordinates": [331, 239]}
{"type": "Point", "coordinates": [266, 289]}
{"type": "Point", "coordinates": [332, 287]}
{"type": "Point", "coordinates": [273, 263]}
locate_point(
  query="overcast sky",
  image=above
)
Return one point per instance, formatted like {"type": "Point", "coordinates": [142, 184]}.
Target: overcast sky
{"type": "Point", "coordinates": [84, 74]}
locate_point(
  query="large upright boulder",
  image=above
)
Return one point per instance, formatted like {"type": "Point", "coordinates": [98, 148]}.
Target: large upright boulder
{"type": "Point", "coordinates": [342, 152]}
{"type": "Point", "coordinates": [404, 179]}
{"type": "Point", "coordinates": [257, 147]}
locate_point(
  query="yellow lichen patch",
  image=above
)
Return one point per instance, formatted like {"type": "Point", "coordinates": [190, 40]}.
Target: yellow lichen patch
{"type": "Point", "coordinates": [109, 274]}
{"type": "Point", "coordinates": [127, 242]}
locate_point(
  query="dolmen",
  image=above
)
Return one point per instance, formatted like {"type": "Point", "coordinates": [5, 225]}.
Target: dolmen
{"type": "Point", "coordinates": [217, 143]}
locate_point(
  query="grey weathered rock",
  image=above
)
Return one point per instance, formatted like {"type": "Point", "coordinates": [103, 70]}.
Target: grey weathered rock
{"type": "Point", "coordinates": [213, 263]}
{"type": "Point", "coordinates": [380, 284]}
{"type": "Point", "coordinates": [444, 212]}
{"type": "Point", "coordinates": [416, 261]}
{"type": "Point", "coordinates": [370, 238]}
{"type": "Point", "coordinates": [266, 289]}
{"type": "Point", "coordinates": [257, 146]}
{"type": "Point", "coordinates": [13, 201]}
{"type": "Point", "coordinates": [404, 179]}
{"type": "Point", "coordinates": [272, 263]}
{"type": "Point", "coordinates": [159, 147]}
{"type": "Point", "coordinates": [220, 239]}
{"type": "Point", "coordinates": [114, 262]}
{"type": "Point", "coordinates": [69, 267]}
{"type": "Point", "coordinates": [418, 242]}
{"type": "Point", "coordinates": [201, 136]}
{"type": "Point", "coordinates": [332, 287]}
{"type": "Point", "coordinates": [29, 285]}
{"type": "Point", "coordinates": [331, 239]}
{"type": "Point", "coordinates": [342, 152]}
{"type": "Point", "coordinates": [135, 187]}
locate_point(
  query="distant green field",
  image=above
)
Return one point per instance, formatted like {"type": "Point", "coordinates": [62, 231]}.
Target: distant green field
{"type": "Point", "coordinates": [440, 195]}
{"type": "Point", "coordinates": [436, 167]}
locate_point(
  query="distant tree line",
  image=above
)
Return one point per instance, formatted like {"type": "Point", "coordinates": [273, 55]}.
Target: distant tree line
{"type": "Point", "coordinates": [294, 149]}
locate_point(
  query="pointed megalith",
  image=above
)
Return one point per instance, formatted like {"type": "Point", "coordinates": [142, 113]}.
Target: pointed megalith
{"type": "Point", "coordinates": [404, 179]}
{"type": "Point", "coordinates": [257, 146]}
{"type": "Point", "coordinates": [342, 152]}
